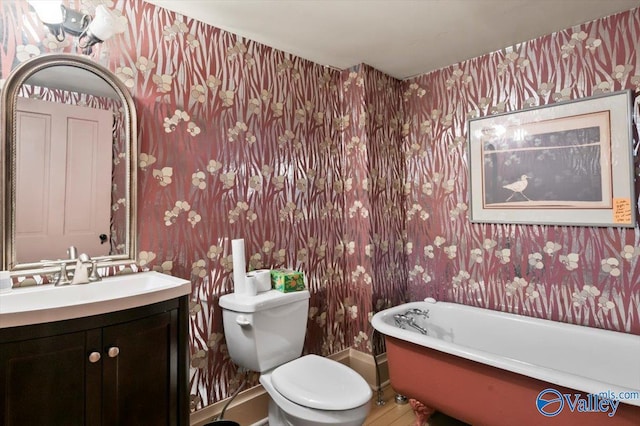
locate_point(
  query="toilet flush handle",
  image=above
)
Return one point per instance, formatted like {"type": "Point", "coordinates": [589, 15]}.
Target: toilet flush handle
{"type": "Point", "coordinates": [243, 321]}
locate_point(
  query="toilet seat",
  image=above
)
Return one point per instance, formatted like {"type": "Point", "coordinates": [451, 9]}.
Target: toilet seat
{"type": "Point", "coordinates": [285, 412]}
{"type": "Point", "coordinates": [320, 383]}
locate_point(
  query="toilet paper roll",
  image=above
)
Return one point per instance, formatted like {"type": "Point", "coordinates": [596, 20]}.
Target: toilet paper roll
{"type": "Point", "coordinates": [251, 286]}
{"type": "Point", "coordinates": [263, 279]}
{"type": "Point", "coordinates": [239, 266]}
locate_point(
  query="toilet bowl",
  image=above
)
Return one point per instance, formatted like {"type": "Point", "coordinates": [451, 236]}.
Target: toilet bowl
{"type": "Point", "coordinates": [313, 391]}
{"type": "Point", "coordinates": [265, 333]}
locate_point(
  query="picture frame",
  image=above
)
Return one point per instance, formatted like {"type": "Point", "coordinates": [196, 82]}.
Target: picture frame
{"type": "Point", "coordinates": [569, 163]}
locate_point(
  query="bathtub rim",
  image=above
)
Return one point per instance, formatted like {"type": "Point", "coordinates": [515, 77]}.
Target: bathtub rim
{"type": "Point", "coordinates": [383, 322]}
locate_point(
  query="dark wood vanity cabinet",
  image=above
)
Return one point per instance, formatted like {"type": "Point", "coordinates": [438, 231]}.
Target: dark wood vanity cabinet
{"type": "Point", "coordinates": [43, 380]}
{"type": "Point", "coordinates": [123, 368]}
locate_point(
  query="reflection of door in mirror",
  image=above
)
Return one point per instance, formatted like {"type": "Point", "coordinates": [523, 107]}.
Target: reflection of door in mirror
{"type": "Point", "coordinates": [63, 183]}
{"type": "Point", "coordinates": [28, 199]}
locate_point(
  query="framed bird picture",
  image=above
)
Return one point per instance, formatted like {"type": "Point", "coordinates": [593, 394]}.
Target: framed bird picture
{"type": "Point", "coordinates": [569, 163]}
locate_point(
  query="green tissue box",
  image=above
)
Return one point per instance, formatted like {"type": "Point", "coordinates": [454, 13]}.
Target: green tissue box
{"type": "Point", "coordinates": [287, 280]}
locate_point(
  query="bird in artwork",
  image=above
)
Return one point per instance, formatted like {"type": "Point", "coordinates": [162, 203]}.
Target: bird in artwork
{"type": "Point", "coordinates": [517, 187]}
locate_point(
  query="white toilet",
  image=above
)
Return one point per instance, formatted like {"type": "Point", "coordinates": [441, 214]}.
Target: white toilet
{"type": "Point", "coordinates": [266, 333]}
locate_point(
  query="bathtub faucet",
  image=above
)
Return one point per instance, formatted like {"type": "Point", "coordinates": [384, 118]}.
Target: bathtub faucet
{"type": "Point", "coordinates": [402, 320]}
{"type": "Point", "coordinates": [416, 311]}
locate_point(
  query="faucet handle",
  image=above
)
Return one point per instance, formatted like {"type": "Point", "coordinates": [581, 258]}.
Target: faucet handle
{"type": "Point", "coordinates": [402, 319]}
{"type": "Point", "coordinates": [95, 275]}
{"type": "Point", "coordinates": [63, 277]}
{"type": "Point", "coordinates": [416, 311]}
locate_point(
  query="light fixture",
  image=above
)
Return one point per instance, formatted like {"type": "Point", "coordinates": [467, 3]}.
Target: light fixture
{"type": "Point", "coordinates": [62, 20]}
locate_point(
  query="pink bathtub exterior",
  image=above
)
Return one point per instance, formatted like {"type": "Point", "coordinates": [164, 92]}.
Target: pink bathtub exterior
{"type": "Point", "coordinates": [482, 395]}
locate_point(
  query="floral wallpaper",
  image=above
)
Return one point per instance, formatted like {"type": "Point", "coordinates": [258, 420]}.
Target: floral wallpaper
{"type": "Point", "coordinates": [582, 275]}
{"type": "Point", "coordinates": [238, 140]}
{"type": "Point", "coordinates": [374, 211]}
{"type": "Point", "coordinates": [352, 176]}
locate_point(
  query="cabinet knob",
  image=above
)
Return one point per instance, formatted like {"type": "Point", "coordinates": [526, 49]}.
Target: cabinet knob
{"type": "Point", "coordinates": [94, 357]}
{"type": "Point", "coordinates": [113, 351]}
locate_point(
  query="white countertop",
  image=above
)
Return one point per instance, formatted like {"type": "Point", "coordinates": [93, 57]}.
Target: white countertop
{"type": "Point", "coordinates": [47, 303]}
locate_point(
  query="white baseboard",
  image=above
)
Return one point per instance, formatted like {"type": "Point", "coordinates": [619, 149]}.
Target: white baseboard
{"type": "Point", "coordinates": [251, 406]}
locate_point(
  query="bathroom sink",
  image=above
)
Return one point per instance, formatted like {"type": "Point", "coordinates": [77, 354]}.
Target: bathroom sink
{"type": "Point", "coordinates": [46, 303]}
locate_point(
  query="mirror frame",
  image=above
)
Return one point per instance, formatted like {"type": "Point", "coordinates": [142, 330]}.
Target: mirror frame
{"type": "Point", "coordinates": [8, 103]}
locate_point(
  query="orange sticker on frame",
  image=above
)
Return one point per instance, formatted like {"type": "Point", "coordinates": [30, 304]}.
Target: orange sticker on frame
{"type": "Point", "coordinates": [622, 210]}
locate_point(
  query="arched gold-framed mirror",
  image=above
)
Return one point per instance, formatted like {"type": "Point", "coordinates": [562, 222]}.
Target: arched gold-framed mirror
{"type": "Point", "coordinates": [68, 164]}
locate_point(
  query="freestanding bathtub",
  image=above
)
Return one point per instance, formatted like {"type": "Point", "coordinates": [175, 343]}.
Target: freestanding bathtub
{"type": "Point", "coordinates": [491, 368]}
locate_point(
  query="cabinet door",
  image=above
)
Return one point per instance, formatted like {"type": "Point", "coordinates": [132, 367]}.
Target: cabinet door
{"type": "Point", "coordinates": [42, 381]}
{"type": "Point", "coordinates": [140, 372]}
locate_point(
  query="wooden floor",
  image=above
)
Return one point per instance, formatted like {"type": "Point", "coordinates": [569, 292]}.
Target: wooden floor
{"type": "Point", "coordinates": [392, 414]}
{"type": "Point", "coordinates": [389, 414]}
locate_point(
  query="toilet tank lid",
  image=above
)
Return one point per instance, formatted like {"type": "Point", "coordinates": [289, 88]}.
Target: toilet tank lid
{"type": "Point", "coordinates": [316, 382]}
{"type": "Point", "coordinates": [265, 300]}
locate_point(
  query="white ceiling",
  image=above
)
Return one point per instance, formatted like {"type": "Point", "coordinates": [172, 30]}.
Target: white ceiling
{"type": "Point", "coordinates": [402, 38]}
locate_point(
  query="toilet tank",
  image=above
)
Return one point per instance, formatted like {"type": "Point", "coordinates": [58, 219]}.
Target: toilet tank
{"type": "Point", "coordinates": [266, 330]}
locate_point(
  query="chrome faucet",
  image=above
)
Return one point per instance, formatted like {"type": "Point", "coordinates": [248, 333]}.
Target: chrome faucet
{"type": "Point", "coordinates": [402, 320]}
{"type": "Point", "coordinates": [86, 269]}
{"type": "Point", "coordinates": [81, 273]}
{"type": "Point", "coordinates": [72, 252]}
{"type": "Point", "coordinates": [419, 312]}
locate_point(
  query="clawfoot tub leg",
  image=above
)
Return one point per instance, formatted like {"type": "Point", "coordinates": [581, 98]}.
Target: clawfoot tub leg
{"type": "Point", "coordinates": [421, 411]}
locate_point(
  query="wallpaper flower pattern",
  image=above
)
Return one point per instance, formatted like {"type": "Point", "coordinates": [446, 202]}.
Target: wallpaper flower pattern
{"type": "Point", "coordinates": [582, 275]}
{"type": "Point", "coordinates": [353, 177]}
